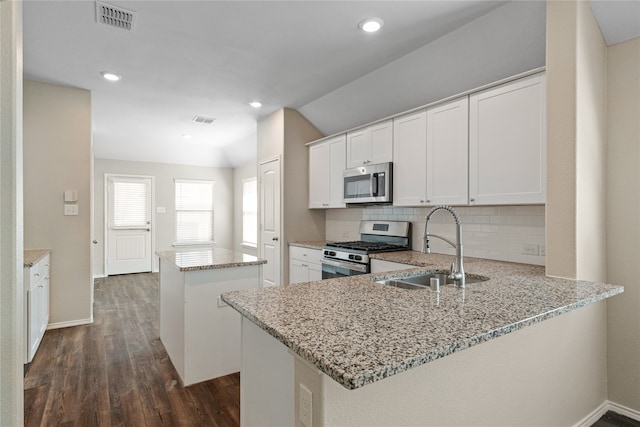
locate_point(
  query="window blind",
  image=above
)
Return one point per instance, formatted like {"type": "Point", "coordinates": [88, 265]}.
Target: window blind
{"type": "Point", "coordinates": [194, 211]}
{"type": "Point", "coordinates": [130, 204]}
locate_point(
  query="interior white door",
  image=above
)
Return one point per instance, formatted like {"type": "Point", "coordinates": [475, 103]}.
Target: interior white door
{"type": "Point", "coordinates": [270, 244]}
{"type": "Point", "coordinates": [129, 225]}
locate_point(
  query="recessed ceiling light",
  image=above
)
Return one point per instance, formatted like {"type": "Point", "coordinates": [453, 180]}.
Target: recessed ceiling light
{"type": "Point", "coordinates": [371, 25]}
{"type": "Point", "coordinates": [186, 136]}
{"type": "Point", "coordinates": [110, 76]}
{"type": "Point", "coordinates": [256, 104]}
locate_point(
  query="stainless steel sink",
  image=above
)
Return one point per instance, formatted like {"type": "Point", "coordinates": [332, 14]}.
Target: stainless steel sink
{"type": "Point", "coordinates": [422, 281]}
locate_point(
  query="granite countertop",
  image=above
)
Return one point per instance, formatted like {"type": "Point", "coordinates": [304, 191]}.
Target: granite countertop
{"type": "Point", "coordinates": [357, 331]}
{"type": "Point", "coordinates": [31, 256]}
{"type": "Point", "coordinates": [316, 244]}
{"type": "Point", "coordinates": [208, 258]}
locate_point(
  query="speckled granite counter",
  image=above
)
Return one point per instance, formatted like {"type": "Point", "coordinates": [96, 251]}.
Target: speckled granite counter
{"type": "Point", "coordinates": [208, 258]}
{"type": "Point", "coordinates": [357, 331]}
{"type": "Point", "coordinates": [31, 256]}
{"type": "Point", "coordinates": [316, 244]}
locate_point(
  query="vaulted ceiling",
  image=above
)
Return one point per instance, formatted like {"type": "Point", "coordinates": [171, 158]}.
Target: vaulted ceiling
{"type": "Point", "coordinates": [211, 58]}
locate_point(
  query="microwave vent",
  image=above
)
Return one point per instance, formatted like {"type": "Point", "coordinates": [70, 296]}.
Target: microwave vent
{"type": "Point", "coordinates": [115, 16]}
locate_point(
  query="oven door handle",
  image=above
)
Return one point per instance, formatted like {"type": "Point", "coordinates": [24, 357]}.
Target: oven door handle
{"type": "Point", "coordinates": [350, 265]}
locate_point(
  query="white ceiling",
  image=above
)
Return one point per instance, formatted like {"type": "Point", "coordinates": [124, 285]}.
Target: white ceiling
{"type": "Point", "coordinates": [211, 58]}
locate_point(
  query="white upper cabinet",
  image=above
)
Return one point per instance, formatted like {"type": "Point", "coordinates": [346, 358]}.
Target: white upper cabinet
{"type": "Point", "coordinates": [448, 153]}
{"type": "Point", "coordinates": [373, 144]}
{"type": "Point", "coordinates": [327, 161]}
{"type": "Point", "coordinates": [409, 159]}
{"type": "Point", "coordinates": [430, 156]}
{"type": "Point", "coordinates": [507, 143]}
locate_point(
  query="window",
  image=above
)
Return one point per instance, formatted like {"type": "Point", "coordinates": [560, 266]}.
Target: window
{"type": "Point", "coordinates": [194, 211]}
{"type": "Point", "coordinates": [130, 202]}
{"type": "Point", "coordinates": [250, 212]}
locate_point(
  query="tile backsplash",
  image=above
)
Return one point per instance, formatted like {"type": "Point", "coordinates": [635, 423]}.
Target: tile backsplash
{"type": "Point", "coordinates": [506, 233]}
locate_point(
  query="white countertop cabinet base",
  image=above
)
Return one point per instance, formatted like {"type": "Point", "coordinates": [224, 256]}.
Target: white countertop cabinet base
{"type": "Point", "coordinates": [304, 264]}
{"type": "Point", "coordinates": [200, 332]}
{"type": "Point", "coordinates": [36, 285]}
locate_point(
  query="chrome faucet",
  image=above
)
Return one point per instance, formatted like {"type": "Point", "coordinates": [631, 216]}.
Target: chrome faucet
{"type": "Point", "coordinates": [456, 272]}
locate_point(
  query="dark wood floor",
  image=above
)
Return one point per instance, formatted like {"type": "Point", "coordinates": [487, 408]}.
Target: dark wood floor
{"type": "Point", "coordinates": [116, 371]}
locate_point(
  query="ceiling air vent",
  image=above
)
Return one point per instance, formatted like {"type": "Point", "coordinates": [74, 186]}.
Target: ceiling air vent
{"type": "Point", "coordinates": [115, 16]}
{"type": "Point", "coordinates": [204, 120]}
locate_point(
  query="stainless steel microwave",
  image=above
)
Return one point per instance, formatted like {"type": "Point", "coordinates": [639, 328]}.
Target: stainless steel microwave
{"type": "Point", "coordinates": [369, 184]}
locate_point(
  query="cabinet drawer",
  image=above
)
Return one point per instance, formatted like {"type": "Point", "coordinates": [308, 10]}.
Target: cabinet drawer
{"type": "Point", "coordinates": [305, 254]}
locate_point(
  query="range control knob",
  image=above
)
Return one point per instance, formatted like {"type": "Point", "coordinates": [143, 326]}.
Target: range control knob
{"type": "Point", "coordinates": [358, 258]}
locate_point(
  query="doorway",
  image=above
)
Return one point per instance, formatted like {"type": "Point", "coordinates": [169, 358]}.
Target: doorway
{"type": "Point", "coordinates": [129, 224]}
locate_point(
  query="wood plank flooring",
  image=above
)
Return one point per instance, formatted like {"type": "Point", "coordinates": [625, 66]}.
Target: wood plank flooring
{"type": "Point", "coordinates": [116, 372]}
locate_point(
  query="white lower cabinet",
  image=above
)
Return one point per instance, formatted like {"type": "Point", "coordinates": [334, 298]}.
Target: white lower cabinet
{"type": "Point", "coordinates": [36, 285]}
{"type": "Point", "coordinates": [304, 264]}
{"type": "Point", "coordinates": [507, 143]}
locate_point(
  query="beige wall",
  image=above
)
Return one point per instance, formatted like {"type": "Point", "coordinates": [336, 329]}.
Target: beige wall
{"type": "Point", "coordinates": [623, 222]}
{"type": "Point", "coordinates": [164, 175]}
{"type": "Point", "coordinates": [285, 133]}
{"type": "Point", "coordinates": [576, 141]}
{"type": "Point", "coordinates": [241, 173]}
{"type": "Point", "coordinates": [11, 215]}
{"type": "Point", "coordinates": [57, 157]}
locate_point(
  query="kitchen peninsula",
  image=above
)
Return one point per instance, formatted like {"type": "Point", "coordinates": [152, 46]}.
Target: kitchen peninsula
{"type": "Point", "coordinates": [356, 352]}
{"type": "Point", "coordinates": [199, 331]}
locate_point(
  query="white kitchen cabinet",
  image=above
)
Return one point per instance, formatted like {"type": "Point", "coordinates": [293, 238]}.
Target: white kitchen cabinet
{"type": "Point", "coordinates": [36, 285]}
{"type": "Point", "coordinates": [430, 155]}
{"type": "Point", "coordinates": [448, 153]}
{"type": "Point", "coordinates": [370, 145]}
{"type": "Point", "coordinates": [382, 266]}
{"type": "Point", "coordinates": [409, 159]}
{"type": "Point", "coordinates": [327, 161]}
{"type": "Point", "coordinates": [507, 143]}
{"type": "Point", "coordinates": [304, 264]}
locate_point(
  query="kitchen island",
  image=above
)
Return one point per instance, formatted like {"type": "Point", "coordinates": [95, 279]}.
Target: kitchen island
{"type": "Point", "coordinates": [377, 355]}
{"type": "Point", "coordinates": [199, 331]}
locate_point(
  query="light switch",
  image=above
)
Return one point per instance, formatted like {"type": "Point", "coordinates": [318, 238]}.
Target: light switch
{"type": "Point", "coordinates": [70, 196]}
{"type": "Point", "coordinates": [71, 209]}
{"type": "Point", "coordinates": [160, 209]}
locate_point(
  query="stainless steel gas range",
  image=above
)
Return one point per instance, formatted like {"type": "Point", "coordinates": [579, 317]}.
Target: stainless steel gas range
{"type": "Point", "coordinates": [342, 259]}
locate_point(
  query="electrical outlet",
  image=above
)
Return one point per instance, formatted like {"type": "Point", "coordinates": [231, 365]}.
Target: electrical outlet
{"type": "Point", "coordinates": [530, 249]}
{"type": "Point", "coordinates": [306, 405]}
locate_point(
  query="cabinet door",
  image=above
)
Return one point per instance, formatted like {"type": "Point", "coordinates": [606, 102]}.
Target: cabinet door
{"type": "Point", "coordinates": [298, 272]}
{"type": "Point", "coordinates": [507, 143]}
{"type": "Point", "coordinates": [315, 272]}
{"type": "Point", "coordinates": [318, 176]}
{"type": "Point", "coordinates": [33, 315]}
{"type": "Point", "coordinates": [358, 148]}
{"type": "Point", "coordinates": [448, 153]}
{"type": "Point", "coordinates": [409, 159]}
{"type": "Point", "coordinates": [337, 154]}
{"type": "Point", "coordinates": [381, 142]}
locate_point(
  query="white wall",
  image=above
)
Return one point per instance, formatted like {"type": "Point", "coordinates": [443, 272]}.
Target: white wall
{"type": "Point", "coordinates": [57, 157]}
{"type": "Point", "coordinates": [623, 222]}
{"type": "Point", "coordinates": [165, 197]}
{"type": "Point", "coordinates": [11, 216]}
{"type": "Point", "coordinates": [248, 170]}
{"type": "Point", "coordinates": [506, 41]}
{"type": "Point", "coordinates": [492, 232]}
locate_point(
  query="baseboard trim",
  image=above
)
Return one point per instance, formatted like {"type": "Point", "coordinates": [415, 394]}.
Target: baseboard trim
{"type": "Point", "coordinates": [99, 276]}
{"type": "Point", "coordinates": [623, 410]}
{"type": "Point", "coordinates": [68, 324]}
{"type": "Point", "coordinates": [607, 405]}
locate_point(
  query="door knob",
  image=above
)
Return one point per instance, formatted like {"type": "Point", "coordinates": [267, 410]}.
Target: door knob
{"type": "Point", "coordinates": [275, 239]}
{"type": "Point", "coordinates": [95, 242]}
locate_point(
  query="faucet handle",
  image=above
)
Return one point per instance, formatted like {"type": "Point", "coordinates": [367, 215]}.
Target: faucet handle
{"type": "Point", "coordinates": [452, 269]}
